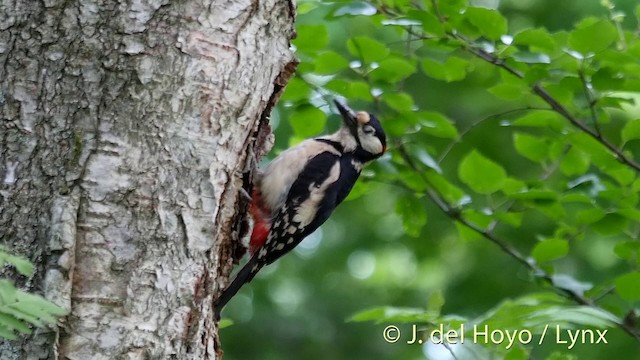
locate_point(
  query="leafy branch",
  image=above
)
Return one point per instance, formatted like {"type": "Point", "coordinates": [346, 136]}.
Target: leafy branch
{"type": "Point", "coordinates": [19, 309]}
{"type": "Point", "coordinates": [456, 215]}
{"type": "Point", "coordinates": [538, 90]}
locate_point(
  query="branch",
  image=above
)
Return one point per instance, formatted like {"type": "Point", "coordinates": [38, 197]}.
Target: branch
{"type": "Point", "coordinates": [476, 123]}
{"type": "Point", "coordinates": [537, 89]}
{"type": "Point", "coordinates": [454, 214]}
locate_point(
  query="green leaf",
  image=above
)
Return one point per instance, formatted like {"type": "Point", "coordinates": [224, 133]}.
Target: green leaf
{"type": "Point", "coordinates": [564, 281]}
{"type": "Point", "coordinates": [592, 35]}
{"type": "Point", "coordinates": [531, 147]}
{"type": "Point", "coordinates": [311, 38]}
{"type": "Point", "coordinates": [296, 90]}
{"type": "Point", "coordinates": [531, 58]}
{"type": "Point", "coordinates": [426, 159]}
{"type": "Point", "coordinates": [518, 353]}
{"type": "Point", "coordinates": [550, 249]}
{"type": "Point", "coordinates": [436, 124]}
{"type": "Point", "coordinates": [512, 218]}
{"type": "Point", "coordinates": [306, 7]}
{"type": "Point", "coordinates": [10, 322]}
{"type": "Point", "coordinates": [611, 224]}
{"type": "Point", "coordinates": [454, 69]}
{"type": "Point", "coordinates": [575, 162]}
{"type": "Point", "coordinates": [308, 121]}
{"type": "Point", "coordinates": [589, 216]}
{"type": "Point", "coordinates": [360, 90]}
{"type": "Point", "coordinates": [392, 315]}
{"type": "Point", "coordinates": [552, 210]}
{"type": "Point", "coordinates": [628, 286]}
{"type": "Point", "coordinates": [223, 323]}
{"type": "Point", "coordinates": [481, 174]}
{"type": "Point", "coordinates": [412, 213]}
{"type": "Point", "coordinates": [330, 62]}
{"type": "Point", "coordinates": [544, 119]}
{"type": "Point", "coordinates": [631, 130]}
{"type": "Point", "coordinates": [398, 101]}
{"type": "Point", "coordinates": [538, 40]}
{"type": "Point", "coordinates": [628, 250]}
{"type": "Point", "coordinates": [490, 22]}
{"type": "Point", "coordinates": [429, 21]}
{"type": "Point", "coordinates": [508, 91]}
{"type": "Point", "coordinates": [450, 192]}
{"type": "Point", "coordinates": [393, 69]}
{"type": "Point", "coordinates": [21, 264]}
{"type": "Point", "coordinates": [356, 8]}
{"type": "Point", "coordinates": [536, 195]}
{"type": "Point", "coordinates": [435, 303]}
{"type": "Point", "coordinates": [366, 48]}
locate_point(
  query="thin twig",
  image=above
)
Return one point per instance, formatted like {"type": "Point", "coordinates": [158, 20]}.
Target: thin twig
{"type": "Point", "coordinates": [590, 101]}
{"type": "Point", "coordinates": [456, 141]}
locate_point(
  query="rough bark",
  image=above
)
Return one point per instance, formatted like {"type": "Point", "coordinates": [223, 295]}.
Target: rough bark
{"type": "Point", "coordinates": [126, 128]}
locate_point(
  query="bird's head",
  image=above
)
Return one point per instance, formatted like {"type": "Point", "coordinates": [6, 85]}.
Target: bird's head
{"type": "Point", "coordinates": [366, 130]}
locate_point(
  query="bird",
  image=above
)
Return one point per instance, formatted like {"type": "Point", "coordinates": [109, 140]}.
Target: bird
{"type": "Point", "coordinates": [300, 188]}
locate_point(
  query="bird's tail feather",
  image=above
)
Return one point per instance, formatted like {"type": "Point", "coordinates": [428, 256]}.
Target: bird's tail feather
{"type": "Point", "coordinates": [245, 275]}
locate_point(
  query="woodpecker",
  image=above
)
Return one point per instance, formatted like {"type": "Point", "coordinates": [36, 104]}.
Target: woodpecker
{"type": "Point", "coordinates": [300, 188]}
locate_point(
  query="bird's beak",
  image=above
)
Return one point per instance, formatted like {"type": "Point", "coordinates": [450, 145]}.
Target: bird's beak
{"type": "Point", "coordinates": [348, 115]}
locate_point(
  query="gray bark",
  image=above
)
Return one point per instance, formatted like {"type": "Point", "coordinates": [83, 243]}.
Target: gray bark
{"type": "Point", "coordinates": [125, 132]}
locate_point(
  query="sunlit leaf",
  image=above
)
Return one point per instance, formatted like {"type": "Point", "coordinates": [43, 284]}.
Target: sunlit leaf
{"type": "Point", "coordinates": [393, 69]}
{"type": "Point", "coordinates": [296, 90]}
{"type": "Point", "coordinates": [436, 124]}
{"type": "Point", "coordinates": [453, 69]}
{"type": "Point", "coordinates": [329, 62]}
{"type": "Point", "coordinates": [631, 130]}
{"type": "Point", "coordinates": [490, 22]}
{"type": "Point", "coordinates": [592, 35]}
{"type": "Point", "coordinates": [574, 162]}
{"type": "Point", "coordinates": [590, 215]}
{"type": "Point", "coordinates": [311, 37]}
{"type": "Point", "coordinates": [481, 174]}
{"type": "Point", "coordinates": [224, 323]}
{"type": "Point", "coordinates": [550, 249]}
{"type": "Point", "coordinates": [366, 48]}
{"type": "Point", "coordinates": [531, 147]}
{"type": "Point", "coordinates": [536, 39]}
{"type": "Point", "coordinates": [564, 281]}
{"type": "Point", "coordinates": [308, 121]}
{"type": "Point", "coordinates": [398, 101]}
{"type": "Point", "coordinates": [531, 58]}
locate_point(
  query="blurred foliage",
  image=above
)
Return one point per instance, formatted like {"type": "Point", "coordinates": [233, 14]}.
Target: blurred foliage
{"type": "Point", "coordinates": [20, 310]}
{"type": "Point", "coordinates": [508, 196]}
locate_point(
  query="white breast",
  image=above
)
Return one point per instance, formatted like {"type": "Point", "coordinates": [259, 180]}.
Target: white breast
{"type": "Point", "coordinates": [280, 174]}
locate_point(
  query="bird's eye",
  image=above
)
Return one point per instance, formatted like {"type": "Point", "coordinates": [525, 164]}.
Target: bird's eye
{"type": "Point", "coordinates": [368, 130]}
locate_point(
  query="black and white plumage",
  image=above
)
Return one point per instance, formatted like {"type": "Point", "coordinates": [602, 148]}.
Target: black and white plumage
{"type": "Point", "coordinates": [299, 189]}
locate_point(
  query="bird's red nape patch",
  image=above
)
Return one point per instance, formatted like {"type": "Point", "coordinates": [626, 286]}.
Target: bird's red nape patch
{"type": "Point", "coordinates": [261, 222]}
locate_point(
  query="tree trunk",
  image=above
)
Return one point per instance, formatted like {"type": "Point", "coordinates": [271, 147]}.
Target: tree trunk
{"type": "Point", "coordinates": [126, 130]}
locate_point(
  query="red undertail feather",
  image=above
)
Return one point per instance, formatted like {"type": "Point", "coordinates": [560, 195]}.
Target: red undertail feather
{"type": "Point", "coordinates": [261, 222]}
